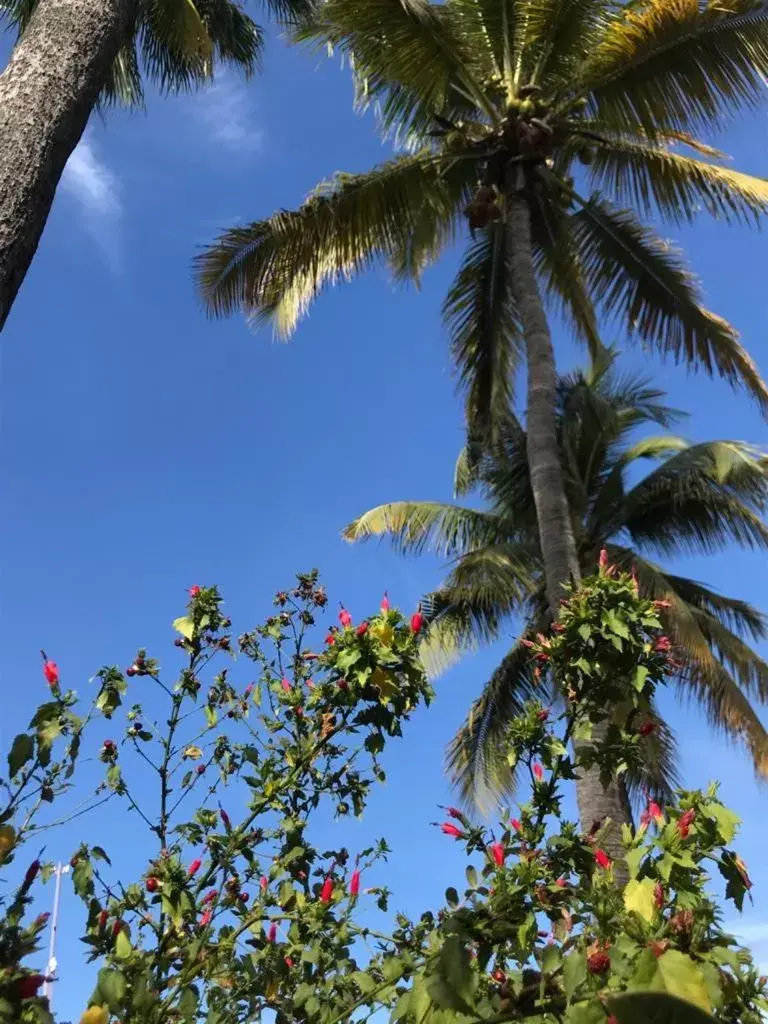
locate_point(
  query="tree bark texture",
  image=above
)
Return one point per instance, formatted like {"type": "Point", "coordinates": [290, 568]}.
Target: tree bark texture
{"type": "Point", "coordinates": [558, 545]}
{"type": "Point", "coordinates": [47, 91]}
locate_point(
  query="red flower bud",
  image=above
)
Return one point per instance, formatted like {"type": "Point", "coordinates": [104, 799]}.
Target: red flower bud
{"type": "Point", "coordinates": [499, 976]}
{"type": "Point", "coordinates": [194, 591]}
{"type": "Point", "coordinates": [103, 917]}
{"type": "Point", "coordinates": [288, 962]}
{"type": "Point", "coordinates": [497, 853]}
{"type": "Point", "coordinates": [652, 813]}
{"type": "Point", "coordinates": [263, 883]}
{"type": "Point", "coordinates": [272, 932]}
{"type": "Point", "coordinates": [343, 684]}
{"type": "Point", "coordinates": [194, 867]}
{"type": "Point", "coordinates": [661, 605]}
{"type": "Point", "coordinates": [612, 1020]}
{"type": "Point", "coordinates": [602, 859]}
{"type": "Point", "coordinates": [354, 883]}
{"type": "Point", "coordinates": [543, 715]}
{"type": "Point", "coordinates": [560, 883]}
{"type": "Point", "coordinates": [210, 896]}
{"type": "Point", "coordinates": [685, 821]}
{"type": "Point", "coordinates": [454, 812]}
{"type": "Point", "coordinates": [599, 962]}
{"type": "Point", "coordinates": [31, 874]}
{"type": "Point", "coordinates": [51, 673]}
{"type": "Point", "coordinates": [451, 830]}
{"type": "Point", "coordinates": [200, 769]}
{"type": "Point", "coordinates": [658, 895]}
{"type": "Point", "coordinates": [417, 621]}
{"type": "Point", "coordinates": [515, 823]}
{"type": "Point", "coordinates": [28, 986]}
{"type": "Point", "coordinates": [152, 885]}
{"type": "Point", "coordinates": [41, 920]}
{"type": "Point", "coordinates": [345, 618]}
{"type": "Point", "coordinates": [286, 684]}
{"type": "Point", "coordinates": [603, 559]}
{"type": "Point", "coordinates": [558, 627]}
{"type": "Point", "coordinates": [327, 891]}
{"type": "Point", "coordinates": [538, 771]}
{"type": "Point", "coordinates": [647, 728]}
{"type": "Point", "coordinates": [385, 603]}
{"type": "Point", "coordinates": [117, 927]}
{"type": "Point", "coordinates": [243, 897]}
{"type": "Point", "coordinates": [329, 639]}
{"type": "Point", "coordinates": [362, 629]}
{"type": "Point", "coordinates": [205, 918]}
{"type": "Point", "coordinates": [248, 690]}
{"type": "Point", "coordinates": [225, 820]}
{"type": "Point", "coordinates": [662, 644]}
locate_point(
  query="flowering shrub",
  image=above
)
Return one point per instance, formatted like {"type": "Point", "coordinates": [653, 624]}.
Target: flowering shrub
{"type": "Point", "coordinates": [238, 917]}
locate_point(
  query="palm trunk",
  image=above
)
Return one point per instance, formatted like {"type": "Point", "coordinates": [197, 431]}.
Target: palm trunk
{"type": "Point", "coordinates": [558, 546]}
{"type": "Point", "coordinates": [47, 91]}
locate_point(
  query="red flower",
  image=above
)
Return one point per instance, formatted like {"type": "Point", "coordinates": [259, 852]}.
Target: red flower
{"type": "Point", "coordinates": [263, 883]}
{"type": "Point", "coordinates": [27, 987]}
{"type": "Point", "coordinates": [243, 897]}
{"type": "Point", "coordinates": [51, 673]}
{"type": "Point", "coordinates": [362, 629]}
{"type": "Point", "coordinates": [515, 823]}
{"type": "Point", "coordinates": [272, 932]}
{"type": "Point", "coordinates": [288, 962]}
{"type": "Point", "coordinates": [451, 830]}
{"type": "Point", "coordinates": [527, 643]}
{"type": "Point", "coordinates": [658, 895]}
{"type": "Point", "coordinates": [194, 591]}
{"type": "Point", "coordinates": [286, 684]}
{"type": "Point", "coordinates": [210, 896]}
{"type": "Point", "coordinates": [152, 884]}
{"type": "Point", "coordinates": [652, 813]}
{"type": "Point", "coordinates": [117, 927]}
{"type": "Point", "coordinates": [685, 822]}
{"type": "Point", "coordinates": [603, 559]}
{"type": "Point", "coordinates": [661, 605]}
{"type": "Point", "coordinates": [560, 883]}
{"type": "Point", "coordinates": [499, 976]}
{"type": "Point", "coordinates": [558, 627]}
{"type": "Point", "coordinates": [612, 1020]}
{"type": "Point", "coordinates": [345, 618]}
{"type": "Point", "coordinates": [343, 684]}
{"type": "Point", "coordinates": [538, 771]}
{"type": "Point", "coordinates": [599, 962]}
{"type": "Point", "coordinates": [330, 638]}
{"type": "Point", "coordinates": [602, 859]}
{"type": "Point", "coordinates": [194, 867]}
{"type": "Point", "coordinates": [354, 883]}
{"type": "Point", "coordinates": [662, 644]}
{"type": "Point", "coordinates": [384, 604]}
{"type": "Point", "coordinates": [31, 874]}
{"type": "Point", "coordinates": [327, 891]}
{"type": "Point", "coordinates": [543, 715]}
{"type": "Point", "coordinates": [417, 621]}
{"type": "Point", "coordinates": [454, 812]}
{"type": "Point", "coordinates": [200, 769]}
{"type": "Point", "coordinates": [205, 918]}
{"type": "Point", "coordinates": [42, 919]}
{"type": "Point", "coordinates": [647, 728]}
{"type": "Point", "coordinates": [225, 819]}
{"type": "Point", "coordinates": [497, 852]}
{"type": "Point", "coordinates": [103, 916]}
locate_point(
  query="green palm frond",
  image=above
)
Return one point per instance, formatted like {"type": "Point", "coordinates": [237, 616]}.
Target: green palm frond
{"type": "Point", "coordinates": [476, 757]}
{"type": "Point", "coordinates": [642, 279]}
{"type": "Point", "coordinates": [654, 179]}
{"type": "Point", "coordinates": [734, 614]}
{"type": "Point", "coordinates": [678, 64]}
{"type": "Point", "coordinates": [124, 85]}
{"type": "Point", "coordinates": [480, 316]}
{"type": "Point", "coordinates": [418, 526]}
{"type": "Point", "coordinates": [552, 37]}
{"type": "Point", "coordinates": [274, 268]}
{"type": "Point", "coordinates": [658, 774]}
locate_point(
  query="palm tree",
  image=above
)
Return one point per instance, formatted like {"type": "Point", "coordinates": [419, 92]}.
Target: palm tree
{"type": "Point", "coordinates": [498, 104]}
{"type": "Point", "coordinates": [74, 54]}
{"type": "Point", "coordinates": [696, 498]}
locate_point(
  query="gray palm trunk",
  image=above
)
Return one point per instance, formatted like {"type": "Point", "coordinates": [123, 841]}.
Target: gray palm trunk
{"type": "Point", "coordinates": [558, 546]}
{"type": "Point", "coordinates": [47, 91]}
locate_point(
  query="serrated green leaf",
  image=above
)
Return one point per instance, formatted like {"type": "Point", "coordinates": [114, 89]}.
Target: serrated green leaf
{"type": "Point", "coordinates": [574, 973]}
{"type": "Point", "coordinates": [639, 897]}
{"type": "Point", "coordinates": [111, 987]}
{"type": "Point", "coordinates": [185, 626]}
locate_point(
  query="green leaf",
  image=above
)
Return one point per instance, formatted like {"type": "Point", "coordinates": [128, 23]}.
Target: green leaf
{"type": "Point", "coordinates": [364, 982]}
{"type": "Point", "coordinates": [585, 631]}
{"type": "Point", "coordinates": [639, 897]}
{"type": "Point", "coordinates": [727, 820]}
{"type": "Point", "coordinates": [591, 1012]}
{"type": "Point", "coordinates": [634, 858]}
{"type": "Point", "coordinates": [100, 854]}
{"type": "Point", "coordinates": [451, 897]}
{"type": "Point", "coordinates": [22, 751]}
{"type": "Point", "coordinates": [678, 975]}
{"type": "Point", "coordinates": [185, 626]}
{"type": "Point", "coordinates": [574, 973]}
{"type": "Point", "coordinates": [471, 873]}
{"type": "Point", "coordinates": [550, 958]}
{"type": "Point", "coordinates": [123, 948]}
{"type": "Point", "coordinates": [641, 674]}
{"type": "Point", "coordinates": [188, 1001]}
{"type": "Point", "coordinates": [655, 1008]}
{"type": "Point", "coordinates": [111, 988]}
{"type": "Point", "coordinates": [393, 968]}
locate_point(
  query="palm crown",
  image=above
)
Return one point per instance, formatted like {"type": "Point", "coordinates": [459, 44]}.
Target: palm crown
{"type": "Point", "coordinates": [697, 498]}
{"type": "Point", "coordinates": [177, 43]}
{"type": "Point", "coordinates": [563, 96]}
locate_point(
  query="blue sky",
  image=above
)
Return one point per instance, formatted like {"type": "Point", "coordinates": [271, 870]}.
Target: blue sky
{"type": "Point", "coordinates": [144, 448]}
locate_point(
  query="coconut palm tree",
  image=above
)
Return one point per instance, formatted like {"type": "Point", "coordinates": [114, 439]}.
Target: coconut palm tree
{"type": "Point", "coordinates": [695, 498]}
{"type": "Point", "coordinates": [74, 54]}
{"type": "Point", "coordinates": [548, 129]}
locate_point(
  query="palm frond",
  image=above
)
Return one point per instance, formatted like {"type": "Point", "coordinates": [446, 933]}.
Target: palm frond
{"type": "Point", "coordinates": [417, 526]}
{"type": "Point", "coordinates": [642, 279]}
{"type": "Point", "coordinates": [735, 614]}
{"type": "Point", "coordinates": [658, 774]}
{"type": "Point", "coordinates": [678, 64]}
{"type": "Point", "coordinates": [654, 179]}
{"type": "Point", "coordinates": [480, 315]}
{"type": "Point", "coordinates": [274, 268]}
{"type": "Point", "coordinates": [476, 758]}
{"type": "Point", "coordinates": [552, 37]}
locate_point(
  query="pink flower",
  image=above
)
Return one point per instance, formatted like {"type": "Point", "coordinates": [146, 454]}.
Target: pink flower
{"type": "Point", "coordinates": [538, 771]}
{"type": "Point", "coordinates": [263, 883]}
{"type": "Point", "coordinates": [497, 853]}
{"type": "Point", "coordinates": [327, 891]}
{"type": "Point", "coordinates": [417, 621]}
{"type": "Point", "coordinates": [603, 559]}
{"type": "Point", "coordinates": [205, 918]}
{"type": "Point", "coordinates": [362, 629]}
{"type": "Point", "coordinates": [272, 932]}
{"type": "Point", "coordinates": [210, 896]}
{"type": "Point", "coordinates": [602, 859]}
{"type": "Point", "coordinates": [193, 591]}
{"type": "Point", "coordinates": [194, 867]}
{"type": "Point", "coordinates": [345, 618]}
{"type": "Point", "coordinates": [354, 883]}
{"type": "Point", "coordinates": [51, 673]}
{"type": "Point", "coordinates": [384, 604]}
{"type": "Point", "coordinates": [454, 812]}
{"type": "Point", "coordinates": [661, 605]}
{"type": "Point", "coordinates": [248, 690]}
{"type": "Point", "coordinates": [286, 684]}
{"type": "Point", "coordinates": [515, 823]}
{"type": "Point", "coordinates": [288, 962]}
{"type": "Point", "coordinates": [451, 830]}
{"type": "Point", "coordinates": [685, 821]}
{"type": "Point", "coordinates": [560, 883]}
{"type": "Point", "coordinates": [652, 813]}
{"type": "Point", "coordinates": [662, 644]}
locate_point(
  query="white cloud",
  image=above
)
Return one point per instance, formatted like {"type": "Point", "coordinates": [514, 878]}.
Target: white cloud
{"type": "Point", "coordinates": [225, 108]}
{"type": "Point", "coordinates": [90, 182]}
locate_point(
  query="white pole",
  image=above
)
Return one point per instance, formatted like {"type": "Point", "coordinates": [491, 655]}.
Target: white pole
{"type": "Point", "coordinates": [59, 870]}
